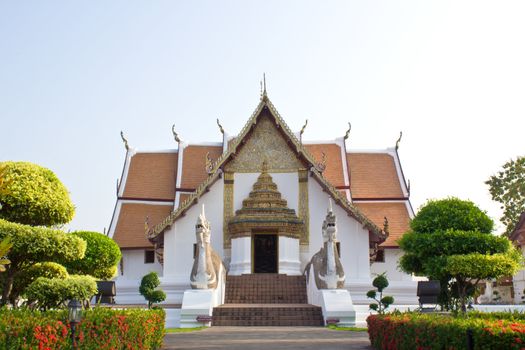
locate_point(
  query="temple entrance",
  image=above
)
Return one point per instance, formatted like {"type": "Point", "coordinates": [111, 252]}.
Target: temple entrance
{"type": "Point", "coordinates": [265, 253]}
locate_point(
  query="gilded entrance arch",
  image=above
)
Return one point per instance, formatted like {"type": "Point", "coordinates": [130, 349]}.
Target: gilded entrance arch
{"type": "Point", "coordinates": [266, 220]}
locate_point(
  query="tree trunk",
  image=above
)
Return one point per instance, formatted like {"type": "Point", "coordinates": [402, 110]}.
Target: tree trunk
{"type": "Point", "coordinates": [8, 287]}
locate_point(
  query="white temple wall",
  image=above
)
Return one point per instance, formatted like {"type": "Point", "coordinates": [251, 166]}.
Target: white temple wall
{"type": "Point", "coordinates": [352, 236]}
{"type": "Point", "coordinates": [134, 267]}
{"type": "Point", "coordinates": [179, 239]}
{"type": "Point", "coordinates": [390, 266]}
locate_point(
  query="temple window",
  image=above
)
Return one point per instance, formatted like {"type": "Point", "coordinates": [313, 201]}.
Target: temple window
{"type": "Point", "coordinates": [149, 256]}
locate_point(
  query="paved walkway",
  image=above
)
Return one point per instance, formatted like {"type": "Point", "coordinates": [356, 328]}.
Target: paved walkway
{"type": "Point", "coordinates": [278, 338]}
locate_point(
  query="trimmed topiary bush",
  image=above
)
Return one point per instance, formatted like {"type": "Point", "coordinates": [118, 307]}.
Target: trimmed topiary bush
{"type": "Point", "coordinates": [382, 302]}
{"type": "Point", "coordinates": [101, 258]}
{"type": "Point", "coordinates": [147, 289]}
{"type": "Point", "coordinates": [46, 293]}
{"type": "Point", "coordinates": [26, 277]}
{"type": "Point", "coordinates": [33, 195]}
{"type": "Point", "coordinates": [33, 245]}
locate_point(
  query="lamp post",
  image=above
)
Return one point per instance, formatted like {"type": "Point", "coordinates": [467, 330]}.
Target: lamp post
{"type": "Point", "coordinates": [74, 316]}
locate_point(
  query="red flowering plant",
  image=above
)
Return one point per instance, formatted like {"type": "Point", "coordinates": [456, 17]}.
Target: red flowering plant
{"type": "Point", "coordinates": [427, 331]}
{"type": "Point", "coordinates": [100, 328]}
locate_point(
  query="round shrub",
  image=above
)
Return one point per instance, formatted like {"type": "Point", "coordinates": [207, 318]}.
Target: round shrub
{"type": "Point", "coordinates": [101, 258]}
{"type": "Point", "coordinates": [451, 213]}
{"type": "Point", "coordinates": [46, 293]}
{"type": "Point", "coordinates": [147, 289]}
{"type": "Point", "coordinates": [26, 277]}
{"type": "Point", "coordinates": [33, 195]}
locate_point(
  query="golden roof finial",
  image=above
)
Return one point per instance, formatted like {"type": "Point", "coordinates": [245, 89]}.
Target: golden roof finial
{"type": "Point", "coordinates": [321, 166]}
{"type": "Point", "coordinates": [399, 140]}
{"type": "Point", "coordinates": [302, 131]}
{"type": "Point", "coordinates": [146, 224]}
{"type": "Point", "coordinates": [220, 126]}
{"type": "Point", "coordinates": [209, 164]}
{"type": "Point", "coordinates": [347, 134]}
{"type": "Point", "coordinates": [175, 135]}
{"type": "Point", "coordinates": [124, 140]}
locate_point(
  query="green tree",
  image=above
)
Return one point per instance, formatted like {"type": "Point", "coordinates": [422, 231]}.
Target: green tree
{"type": "Point", "coordinates": [508, 188]}
{"type": "Point", "coordinates": [450, 240]}
{"type": "Point", "coordinates": [148, 289]}
{"type": "Point", "coordinates": [101, 258]}
{"type": "Point", "coordinates": [33, 195]}
{"type": "Point", "coordinates": [33, 245]}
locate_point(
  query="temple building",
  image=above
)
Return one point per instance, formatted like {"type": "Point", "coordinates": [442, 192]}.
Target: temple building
{"type": "Point", "coordinates": [273, 206]}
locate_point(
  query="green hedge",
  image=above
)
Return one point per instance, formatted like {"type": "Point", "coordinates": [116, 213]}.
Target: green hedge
{"type": "Point", "coordinates": [424, 331]}
{"type": "Point", "coordinates": [101, 328]}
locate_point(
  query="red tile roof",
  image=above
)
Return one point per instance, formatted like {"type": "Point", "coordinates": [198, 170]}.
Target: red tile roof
{"type": "Point", "coordinates": [130, 229]}
{"type": "Point", "coordinates": [334, 166]}
{"type": "Point", "coordinates": [396, 213]}
{"type": "Point", "coordinates": [152, 176]}
{"type": "Point", "coordinates": [373, 175]}
{"type": "Point", "coordinates": [194, 164]}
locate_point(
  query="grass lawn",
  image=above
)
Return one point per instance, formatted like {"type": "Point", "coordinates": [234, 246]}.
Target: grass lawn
{"type": "Point", "coordinates": [353, 329]}
{"type": "Point", "coordinates": [183, 330]}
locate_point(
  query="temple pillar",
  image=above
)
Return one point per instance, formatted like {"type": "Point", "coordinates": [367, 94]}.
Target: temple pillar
{"type": "Point", "coordinates": [241, 256]}
{"type": "Point", "coordinates": [289, 262]}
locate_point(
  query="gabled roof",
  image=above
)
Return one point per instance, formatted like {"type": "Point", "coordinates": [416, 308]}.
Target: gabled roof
{"type": "Point", "coordinates": [234, 147]}
{"type": "Point", "coordinates": [150, 176]}
{"type": "Point", "coordinates": [373, 176]}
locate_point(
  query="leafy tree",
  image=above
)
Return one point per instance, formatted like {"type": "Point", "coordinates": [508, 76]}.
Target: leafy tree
{"type": "Point", "coordinates": [101, 258]}
{"type": "Point", "coordinates": [32, 245]}
{"type": "Point", "coordinates": [450, 241]}
{"type": "Point", "coordinates": [33, 195]}
{"type": "Point", "coordinates": [46, 293]}
{"type": "Point", "coordinates": [508, 188]}
{"type": "Point", "coordinates": [5, 245]}
{"type": "Point", "coordinates": [148, 289]}
{"type": "Point", "coordinates": [381, 302]}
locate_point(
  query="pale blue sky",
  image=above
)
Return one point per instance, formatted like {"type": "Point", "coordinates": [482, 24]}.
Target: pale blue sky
{"type": "Point", "coordinates": [450, 74]}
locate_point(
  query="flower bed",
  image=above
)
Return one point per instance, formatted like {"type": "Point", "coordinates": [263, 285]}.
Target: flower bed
{"type": "Point", "coordinates": [425, 331]}
{"type": "Point", "coordinates": [100, 328]}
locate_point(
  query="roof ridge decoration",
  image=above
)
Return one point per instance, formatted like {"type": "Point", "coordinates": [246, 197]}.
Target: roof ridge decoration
{"type": "Point", "coordinates": [216, 173]}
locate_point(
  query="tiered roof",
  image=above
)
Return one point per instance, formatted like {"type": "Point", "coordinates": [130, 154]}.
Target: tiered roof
{"type": "Point", "coordinates": [369, 185]}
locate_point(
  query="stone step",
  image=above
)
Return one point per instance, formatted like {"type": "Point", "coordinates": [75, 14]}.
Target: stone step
{"type": "Point", "coordinates": [267, 315]}
{"type": "Point", "coordinates": [266, 288]}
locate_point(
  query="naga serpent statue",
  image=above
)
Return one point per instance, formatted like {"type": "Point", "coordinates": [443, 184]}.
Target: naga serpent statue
{"type": "Point", "coordinates": [327, 267]}
{"type": "Point", "coordinates": [207, 263]}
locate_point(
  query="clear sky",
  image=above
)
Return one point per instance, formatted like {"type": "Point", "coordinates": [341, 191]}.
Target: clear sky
{"type": "Point", "coordinates": [449, 74]}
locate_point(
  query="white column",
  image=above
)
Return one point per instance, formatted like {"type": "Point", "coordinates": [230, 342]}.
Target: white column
{"type": "Point", "coordinates": [289, 262]}
{"type": "Point", "coordinates": [241, 256]}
